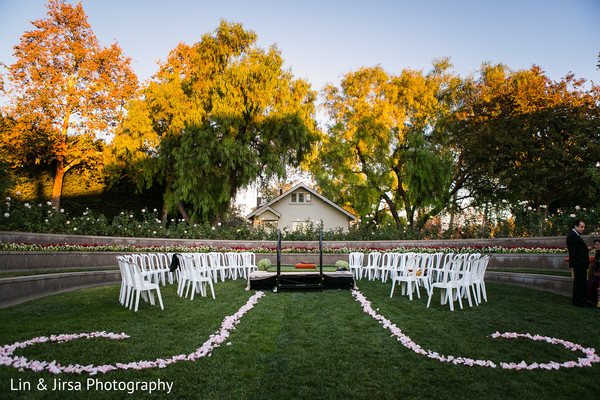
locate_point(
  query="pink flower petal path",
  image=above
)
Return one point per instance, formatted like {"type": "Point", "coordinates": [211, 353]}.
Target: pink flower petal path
{"type": "Point", "coordinates": [216, 339]}
{"type": "Point", "coordinates": [591, 356]}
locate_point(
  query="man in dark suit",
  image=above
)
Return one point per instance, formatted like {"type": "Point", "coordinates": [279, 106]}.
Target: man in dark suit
{"type": "Point", "coordinates": [579, 260]}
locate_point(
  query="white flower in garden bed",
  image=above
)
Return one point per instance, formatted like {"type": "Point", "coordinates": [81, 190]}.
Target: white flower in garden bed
{"type": "Point", "coordinates": [268, 249]}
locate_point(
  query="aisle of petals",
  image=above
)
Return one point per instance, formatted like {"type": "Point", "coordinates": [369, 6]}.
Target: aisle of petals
{"type": "Point", "coordinates": [591, 356]}
{"type": "Point", "coordinates": [215, 340]}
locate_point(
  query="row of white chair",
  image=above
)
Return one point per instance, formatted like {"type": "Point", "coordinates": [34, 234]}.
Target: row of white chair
{"type": "Point", "coordinates": [230, 265]}
{"type": "Point", "coordinates": [193, 274]}
{"type": "Point", "coordinates": [136, 282]}
{"type": "Point", "coordinates": [457, 275]}
{"type": "Point", "coordinates": [195, 271]}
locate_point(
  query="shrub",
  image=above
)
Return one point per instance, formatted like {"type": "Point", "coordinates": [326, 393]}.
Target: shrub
{"type": "Point", "coordinates": [264, 264]}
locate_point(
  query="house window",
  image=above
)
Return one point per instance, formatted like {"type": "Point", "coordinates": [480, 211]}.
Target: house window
{"type": "Point", "coordinates": [298, 198]}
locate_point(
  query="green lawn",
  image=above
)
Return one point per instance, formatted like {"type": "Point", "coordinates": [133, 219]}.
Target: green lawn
{"type": "Point", "coordinates": [308, 345]}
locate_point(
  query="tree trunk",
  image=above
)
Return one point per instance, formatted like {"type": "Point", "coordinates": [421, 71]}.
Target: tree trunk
{"type": "Point", "coordinates": [164, 214]}
{"type": "Point", "coordinates": [393, 211]}
{"type": "Point", "coordinates": [183, 212]}
{"type": "Point", "coordinates": [61, 152]}
{"type": "Point", "coordinates": [58, 181]}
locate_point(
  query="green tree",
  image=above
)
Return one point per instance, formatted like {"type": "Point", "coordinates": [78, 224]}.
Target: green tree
{"type": "Point", "coordinates": [381, 147]}
{"type": "Point", "coordinates": [531, 139]}
{"type": "Point", "coordinates": [217, 115]}
{"type": "Point", "coordinates": [62, 92]}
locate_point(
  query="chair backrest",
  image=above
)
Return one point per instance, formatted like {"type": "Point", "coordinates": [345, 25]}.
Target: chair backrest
{"type": "Point", "coordinates": [147, 261]}
{"type": "Point", "coordinates": [201, 260]}
{"type": "Point", "coordinates": [402, 259]}
{"type": "Point", "coordinates": [248, 259]}
{"type": "Point", "coordinates": [232, 259]}
{"type": "Point", "coordinates": [373, 260]}
{"type": "Point", "coordinates": [389, 260]}
{"type": "Point", "coordinates": [151, 260]}
{"type": "Point", "coordinates": [215, 259]}
{"type": "Point", "coordinates": [355, 259]}
{"type": "Point", "coordinates": [137, 259]}
{"type": "Point", "coordinates": [469, 268]}
{"type": "Point", "coordinates": [124, 268]}
{"type": "Point", "coordinates": [427, 264]}
{"type": "Point", "coordinates": [135, 272]}
{"type": "Point", "coordinates": [158, 260]}
{"type": "Point", "coordinates": [482, 264]}
{"type": "Point", "coordinates": [450, 271]}
{"type": "Point", "coordinates": [186, 263]}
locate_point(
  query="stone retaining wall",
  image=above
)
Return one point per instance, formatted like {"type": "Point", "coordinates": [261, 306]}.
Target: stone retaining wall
{"type": "Point", "coordinates": [561, 285]}
{"type": "Point", "coordinates": [24, 288]}
{"type": "Point", "coordinates": [40, 260]}
{"type": "Point", "coordinates": [19, 289]}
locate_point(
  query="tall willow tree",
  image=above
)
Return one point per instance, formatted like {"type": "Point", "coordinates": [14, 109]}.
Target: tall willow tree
{"type": "Point", "coordinates": [63, 91]}
{"type": "Point", "coordinates": [531, 139]}
{"type": "Point", "coordinates": [381, 147]}
{"type": "Point", "coordinates": [218, 114]}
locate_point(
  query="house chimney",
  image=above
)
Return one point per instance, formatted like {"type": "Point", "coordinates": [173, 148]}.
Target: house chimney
{"type": "Point", "coordinates": [258, 199]}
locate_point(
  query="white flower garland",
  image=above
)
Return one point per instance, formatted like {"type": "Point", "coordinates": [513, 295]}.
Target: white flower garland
{"type": "Point", "coordinates": [591, 356]}
{"type": "Point", "coordinates": [216, 339]}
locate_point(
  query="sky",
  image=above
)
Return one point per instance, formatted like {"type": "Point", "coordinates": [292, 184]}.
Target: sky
{"type": "Point", "coordinates": [322, 40]}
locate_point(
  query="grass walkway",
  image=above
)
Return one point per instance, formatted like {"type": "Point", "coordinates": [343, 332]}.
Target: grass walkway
{"type": "Point", "coordinates": [308, 345]}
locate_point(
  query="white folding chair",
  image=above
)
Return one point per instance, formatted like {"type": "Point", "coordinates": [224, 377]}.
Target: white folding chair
{"type": "Point", "coordinates": [158, 264]}
{"type": "Point", "coordinates": [201, 260]}
{"type": "Point", "coordinates": [371, 270]}
{"type": "Point", "coordinates": [248, 261]}
{"type": "Point", "coordinates": [465, 278]}
{"type": "Point", "coordinates": [195, 277]}
{"type": "Point", "coordinates": [447, 282]}
{"type": "Point", "coordinates": [217, 265]}
{"type": "Point", "coordinates": [405, 274]}
{"type": "Point", "coordinates": [424, 271]}
{"type": "Point", "coordinates": [389, 264]}
{"type": "Point", "coordinates": [478, 284]}
{"type": "Point", "coordinates": [233, 264]}
{"type": "Point", "coordinates": [355, 264]}
{"type": "Point", "coordinates": [141, 285]}
{"type": "Point", "coordinates": [126, 281]}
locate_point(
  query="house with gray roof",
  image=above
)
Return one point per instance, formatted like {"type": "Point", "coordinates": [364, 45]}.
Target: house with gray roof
{"type": "Point", "coordinates": [299, 207]}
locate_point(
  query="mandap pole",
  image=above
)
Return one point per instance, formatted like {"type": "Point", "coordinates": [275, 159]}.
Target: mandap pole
{"type": "Point", "coordinates": [321, 257]}
{"type": "Point", "coordinates": [278, 256]}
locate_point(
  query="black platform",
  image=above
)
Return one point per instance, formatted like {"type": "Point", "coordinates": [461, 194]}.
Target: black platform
{"type": "Point", "coordinates": [260, 280]}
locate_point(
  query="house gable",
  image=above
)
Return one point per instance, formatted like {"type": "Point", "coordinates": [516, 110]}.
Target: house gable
{"type": "Point", "coordinates": [301, 206]}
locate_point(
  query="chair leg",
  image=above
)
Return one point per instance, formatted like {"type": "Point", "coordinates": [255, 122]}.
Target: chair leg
{"type": "Point", "coordinates": [212, 290]}
{"type": "Point", "coordinates": [159, 298]}
{"type": "Point", "coordinates": [137, 300]}
{"type": "Point", "coordinates": [482, 285]}
{"type": "Point", "coordinates": [151, 296]}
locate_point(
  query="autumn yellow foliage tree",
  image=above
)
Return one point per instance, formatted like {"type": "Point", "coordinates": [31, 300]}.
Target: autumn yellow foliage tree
{"type": "Point", "coordinates": [63, 92]}
{"type": "Point", "coordinates": [218, 114]}
{"type": "Point", "coordinates": [380, 147]}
